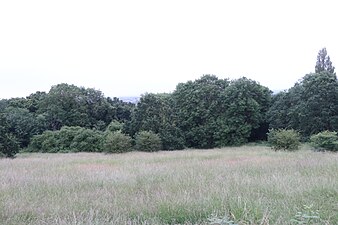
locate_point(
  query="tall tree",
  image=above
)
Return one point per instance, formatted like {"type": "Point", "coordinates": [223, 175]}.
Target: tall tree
{"type": "Point", "coordinates": [155, 113]}
{"type": "Point", "coordinates": [200, 105]}
{"type": "Point", "coordinates": [69, 105]}
{"type": "Point", "coordinates": [9, 145]}
{"type": "Point", "coordinates": [311, 106]}
{"type": "Point", "coordinates": [324, 62]}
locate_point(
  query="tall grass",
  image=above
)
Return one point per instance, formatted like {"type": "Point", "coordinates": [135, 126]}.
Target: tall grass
{"type": "Point", "coordinates": [251, 185]}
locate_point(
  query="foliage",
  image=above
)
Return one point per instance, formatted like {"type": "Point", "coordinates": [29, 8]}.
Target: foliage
{"type": "Point", "coordinates": [87, 140]}
{"type": "Point", "coordinates": [306, 216]}
{"type": "Point", "coordinates": [114, 126]}
{"type": "Point", "coordinates": [200, 107]}
{"type": "Point", "coordinates": [69, 105]}
{"type": "Point", "coordinates": [69, 139]}
{"type": "Point", "coordinates": [172, 137]}
{"type": "Point", "coordinates": [325, 140]}
{"type": "Point", "coordinates": [9, 145]}
{"type": "Point", "coordinates": [247, 103]}
{"type": "Point", "coordinates": [282, 139]}
{"type": "Point", "coordinates": [324, 62]}
{"type": "Point", "coordinates": [310, 106]}
{"type": "Point", "coordinates": [155, 112]}
{"type": "Point", "coordinates": [214, 112]}
{"type": "Point", "coordinates": [121, 110]}
{"type": "Point", "coordinates": [148, 141]}
{"type": "Point", "coordinates": [117, 142]}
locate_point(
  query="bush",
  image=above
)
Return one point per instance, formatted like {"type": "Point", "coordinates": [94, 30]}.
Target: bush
{"type": "Point", "coordinates": [45, 142]}
{"type": "Point", "coordinates": [117, 142]}
{"type": "Point", "coordinates": [87, 140]}
{"type": "Point", "coordinates": [148, 141]}
{"type": "Point", "coordinates": [68, 139]}
{"type": "Point", "coordinates": [172, 138]}
{"type": "Point", "coordinates": [114, 126]}
{"type": "Point", "coordinates": [9, 145]}
{"type": "Point", "coordinates": [283, 139]}
{"type": "Point", "coordinates": [325, 140]}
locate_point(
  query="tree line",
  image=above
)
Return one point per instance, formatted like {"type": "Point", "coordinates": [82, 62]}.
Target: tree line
{"type": "Point", "coordinates": [205, 113]}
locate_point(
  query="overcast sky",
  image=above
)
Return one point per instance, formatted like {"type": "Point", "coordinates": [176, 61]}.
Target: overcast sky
{"type": "Point", "coordinates": [127, 48]}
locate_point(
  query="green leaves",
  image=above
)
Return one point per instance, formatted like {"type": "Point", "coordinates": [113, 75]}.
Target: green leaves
{"type": "Point", "coordinates": [324, 62]}
{"type": "Point", "coordinates": [283, 139]}
{"type": "Point", "coordinates": [9, 145]}
{"type": "Point", "coordinates": [213, 112]}
{"type": "Point", "coordinates": [325, 140]}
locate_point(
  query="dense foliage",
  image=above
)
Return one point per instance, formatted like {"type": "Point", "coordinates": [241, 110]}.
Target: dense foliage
{"type": "Point", "coordinates": [117, 142]}
{"type": "Point", "coordinates": [325, 141]}
{"type": "Point", "coordinates": [282, 139]}
{"type": "Point", "coordinates": [205, 113]}
{"type": "Point", "coordinates": [8, 143]}
{"type": "Point", "coordinates": [68, 139]}
{"type": "Point", "coordinates": [148, 141]}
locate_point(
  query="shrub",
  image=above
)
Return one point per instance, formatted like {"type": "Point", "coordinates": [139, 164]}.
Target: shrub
{"type": "Point", "coordinates": [172, 138]}
{"type": "Point", "coordinates": [68, 139]}
{"type": "Point", "coordinates": [148, 141]}
{"type": "Point", "coordinates": [325, 140]}
{"type": "Point", "coordinates": [283, 139]}
{"type": "Point", "coordinates": [117, 142]}
{"type": "Point", "coordinates": [114, 126]}
{"type": "Point", "coordinates": [87, 140]}
{"type": "Point", "coordinates": [48, 141]}
{"type": "Point", "coordinates": [9, 145]}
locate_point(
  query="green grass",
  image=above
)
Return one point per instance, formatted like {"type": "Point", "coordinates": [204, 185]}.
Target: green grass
{"type": "Point", "coordinates": [251, 185]}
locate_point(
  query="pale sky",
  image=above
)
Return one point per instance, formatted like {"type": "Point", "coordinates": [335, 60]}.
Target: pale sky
{"type": "Point", "coordinates": [127, 48]}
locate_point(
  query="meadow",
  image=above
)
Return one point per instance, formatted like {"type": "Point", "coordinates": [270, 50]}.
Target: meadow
{"type": "Point", "coordinates": [249, 185]}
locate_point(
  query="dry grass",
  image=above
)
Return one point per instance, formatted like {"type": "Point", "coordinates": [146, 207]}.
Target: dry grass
{"type": "Point", "coordinates": [252, 185]}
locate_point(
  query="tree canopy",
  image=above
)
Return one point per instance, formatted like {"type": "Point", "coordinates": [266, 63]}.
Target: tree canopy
{"type": "Point", "coordinates": [205, 113]}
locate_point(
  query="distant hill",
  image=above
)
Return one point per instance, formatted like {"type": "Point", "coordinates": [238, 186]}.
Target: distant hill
{"type": "Point", "coordinates": [131, 99]}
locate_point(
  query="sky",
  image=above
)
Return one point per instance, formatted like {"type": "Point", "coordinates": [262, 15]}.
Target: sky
{"type": "Point", "coordinates": [130, 47]}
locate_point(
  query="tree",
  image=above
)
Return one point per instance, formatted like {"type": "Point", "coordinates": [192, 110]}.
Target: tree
{"type": "Point", "coordinates": [69, 105]}
{"type": "Point", "coordinates": [8, 144]}
{"type": "Point", "coordinates": [247, 103]}
{"type": "Point", "coordinates": [318, 108]}
{"type": "Point", "coordinates": [214, 112]}
{"type": "Point", "coordinates": [155, 113]}
{"type": "Point", "coordinates": [324, 62]}
{"type": "Point", "coordinates": [117, 142]}
{"type": "Point", "coordinates": [24, 124]}
{"type": "Point", "coordinates": [200, 107]}
{"type": "Point", "coordinates": [311, 105]}
{"type": "Point", "coordinates": [67, 139]}
{"type": "Point", "coordinates": [148, 141]}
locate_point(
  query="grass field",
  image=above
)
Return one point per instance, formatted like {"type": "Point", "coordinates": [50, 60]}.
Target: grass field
{"type": "Point", "coordinates": [251, 185]}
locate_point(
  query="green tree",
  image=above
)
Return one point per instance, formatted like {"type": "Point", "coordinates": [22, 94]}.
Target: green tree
{"type": "Point", "coordinates": [148, 141]}
{"type": "Point", "coordinates": [155, 113]}
{"type": "Point", "coordinates": [117, 142]}
{"type": "Point", "coordinates": [214, 112]}
{"type": "Point", "coordinates": [122, 111]}
{"type": "Point", "coordinates": [311, 105]}
{"type": "Point", "coordinates": [69, 105]}
{"type": "Point", "coordinates": [68, 139]}
{"type": "Point", "coordinates": [9, 146]}
{"type": "Point", "coordinates": [24, 124]}
{"type": "Point", "coordinates": [318, 107]}
{"type": "Point", "coordinates": [324, 62]}
{"type": "Point", "coordinates": [283, 139]}
{"type": "Point", "coordinates": [247, 104]}
{"type": "Point", "coordinates": [200, 107]}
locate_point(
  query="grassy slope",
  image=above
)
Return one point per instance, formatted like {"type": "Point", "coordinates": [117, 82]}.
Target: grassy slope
{"type": "Point", "coordinates": [253, 185]}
